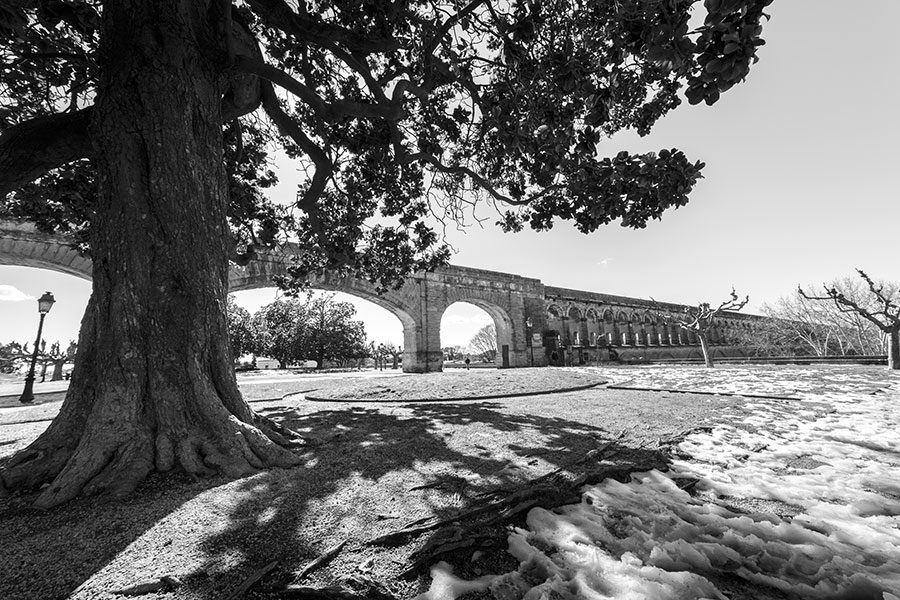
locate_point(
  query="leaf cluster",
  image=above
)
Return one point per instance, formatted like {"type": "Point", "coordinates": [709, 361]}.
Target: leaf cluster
{"type": "Point", "coordinates": [404, 114]}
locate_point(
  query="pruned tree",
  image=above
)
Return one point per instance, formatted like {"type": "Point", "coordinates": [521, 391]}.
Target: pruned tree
{"type": "Point", "coordinates": [799, 326]}
{"type": "Point", "coordinates": [881, 308]}
{"type": "Point", "coordinates": [701, 319]}
{"type": "Point", "coordinates": [58, 357]}
{"type": "Point", "coordinates": [484, 343]}
{"type": "Point", "coordinates": [143, 128]}
{"type": "Point", "coordinates": [384, 351]}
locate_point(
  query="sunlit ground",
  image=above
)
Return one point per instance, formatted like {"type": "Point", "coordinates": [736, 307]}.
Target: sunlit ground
{"type": "Point", "coordinates": [802, 496]}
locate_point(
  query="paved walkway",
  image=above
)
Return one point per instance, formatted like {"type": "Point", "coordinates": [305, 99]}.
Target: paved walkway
{"type": "Point", "coordinates": [11, 390]}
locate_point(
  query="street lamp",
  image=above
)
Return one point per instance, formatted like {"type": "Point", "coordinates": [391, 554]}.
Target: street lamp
{"type": "Point", "coordinates": [528, 324]}
{"type": "Point", "coordinates": [45, 303]}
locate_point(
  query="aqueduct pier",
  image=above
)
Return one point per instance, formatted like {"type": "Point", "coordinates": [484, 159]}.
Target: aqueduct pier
{"type": "Point", "coordinates": [536, 324]}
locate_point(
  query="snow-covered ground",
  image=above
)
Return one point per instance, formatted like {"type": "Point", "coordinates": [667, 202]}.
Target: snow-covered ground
{"type": "Point", "coordinates": [802, 496]}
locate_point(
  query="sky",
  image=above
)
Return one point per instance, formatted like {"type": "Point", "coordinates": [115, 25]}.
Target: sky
{"type": "Point", "coordinates": [799, 188]}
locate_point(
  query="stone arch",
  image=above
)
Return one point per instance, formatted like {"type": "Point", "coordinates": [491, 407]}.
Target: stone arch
{"type": "Point", "coordinates": [594, 327]}
{"type": "Point", "coordinates": [497, 306]}
{"type": "Point", "coordinates": [636, 323]}
{"type": "Point", "coordinates": [393, 301]}
{"type": "Point", "coordinates": [665, 338]}
{"type": "Point", "coordinates": [610, 328]}
{"type": "Point", "coordinates": [624, 327]}
{"type": "Point", "coordinates": [577, 326]}
{"type": "Point", "coordinates": [651, 332]}
{"type": "Point", "coordinates": [22, 245]}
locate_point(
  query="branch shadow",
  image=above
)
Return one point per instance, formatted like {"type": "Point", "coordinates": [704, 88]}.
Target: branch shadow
{"type": "Point", "coordinates": [372, 470]}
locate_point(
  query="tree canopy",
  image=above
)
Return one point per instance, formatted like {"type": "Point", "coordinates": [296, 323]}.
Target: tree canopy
{"type": "Point", "coordinates": [148, 128]}
{"type": "Point", "coordinates": [292, 331]}
{"type": "Point", "coordinates": [401, 113]}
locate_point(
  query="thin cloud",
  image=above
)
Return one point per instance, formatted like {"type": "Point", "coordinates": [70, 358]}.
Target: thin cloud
{"type": "Point", "coordinates": [9, 293]}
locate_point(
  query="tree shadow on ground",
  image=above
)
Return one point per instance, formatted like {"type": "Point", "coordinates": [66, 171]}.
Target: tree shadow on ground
{"type": "Point", "coordinates": [368, 470]}
{"type": "Point", "coordinates": [371, 470]}
{"type": "Point", "coordinates": [56, 551]}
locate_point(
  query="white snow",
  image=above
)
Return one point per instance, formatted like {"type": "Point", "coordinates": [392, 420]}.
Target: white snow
{"type": "Point", "coordinates": [827, 462]}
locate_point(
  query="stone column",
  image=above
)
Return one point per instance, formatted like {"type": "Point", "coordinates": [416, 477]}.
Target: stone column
{"type": "Point", "coordinates": [422, 341]}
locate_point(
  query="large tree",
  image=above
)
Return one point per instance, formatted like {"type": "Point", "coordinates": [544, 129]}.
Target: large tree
{"type": "Point", "coordinates": [332, 332]}
{"type": "Point", "coordinates": [143, 127]}
{"type": "Point", "coordinates": [281, 331]}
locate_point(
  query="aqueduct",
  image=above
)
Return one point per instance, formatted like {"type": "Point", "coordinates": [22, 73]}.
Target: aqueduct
{"type": "Point", "coordinates": [536, 324]}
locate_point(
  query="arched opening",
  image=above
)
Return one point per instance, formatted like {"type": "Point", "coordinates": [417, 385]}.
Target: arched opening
{"type": "Point", "coordinates": [663, 329]}
{"type": "Point", "coordinates": [478, 330]}
{"type": "Point", "coordinates": [577, 332]}
{"type": "Point", "coordinates": [650, 330]}
{"type": "Point", "coordinates": [625, 331]}
{"type": "Point", "coordinates": [610, 328]}
{"type": "Point", "coordinates": [637, 330]}
{"type": "Point", "coordinates": [387, 328]}
{"type": "Point", "coordinates": [19, 318]}
{"type": "Point", "coordinates": [595, 328]}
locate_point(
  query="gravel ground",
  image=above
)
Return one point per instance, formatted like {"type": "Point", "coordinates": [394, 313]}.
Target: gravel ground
{"type": "Point", "coordinates": [371, 467]}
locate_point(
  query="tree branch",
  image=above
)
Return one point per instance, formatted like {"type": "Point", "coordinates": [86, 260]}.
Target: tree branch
{"type": "Point", "coordinates": [32, 148]}
{"type": "Point", "coordinates": [324, 168]}
{"type": "Point", "coordinates": [479, 180]}
{"type": "Point", "coordinates": [840, 299]}
{"type": "Point", "coordinates": [328, 111]}
{"type": "Point", "coordinates": [278, 14]}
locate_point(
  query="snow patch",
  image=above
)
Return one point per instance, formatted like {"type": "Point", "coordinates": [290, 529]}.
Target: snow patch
{"type": "Point", "coordinates": [802, 496]}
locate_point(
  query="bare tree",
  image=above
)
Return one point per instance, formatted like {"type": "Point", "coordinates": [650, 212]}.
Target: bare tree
{"type": "Point", "coordinates": [484, 343]}
{"type": "Point", "coordinates": [880, 307]}
{"type": "Point", "coordinates": [701, 319]}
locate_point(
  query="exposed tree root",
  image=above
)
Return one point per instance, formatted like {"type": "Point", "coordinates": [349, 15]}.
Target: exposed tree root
{"type": "Point", "coordinates": [483, 526]}
{"type": "Point", "coordinates": [109, 445]}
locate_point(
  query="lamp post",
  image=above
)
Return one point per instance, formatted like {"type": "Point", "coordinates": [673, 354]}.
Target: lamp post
{"type": "Point", "coordinates": [45, 302]}
{"type": "Point", "coordinates": [530, 341]}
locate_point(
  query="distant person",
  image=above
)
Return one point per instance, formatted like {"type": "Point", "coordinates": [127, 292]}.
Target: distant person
{"type": "Point", "coordinates": [467, 363]}
{"type": "Point", "coordinates": [613, 355]}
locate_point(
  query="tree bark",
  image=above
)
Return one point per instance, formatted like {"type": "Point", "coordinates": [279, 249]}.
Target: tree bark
{"type": "Point", "coordinates": [154, 385]}
{"type": "Point", "coordinates": [704, 346]}
{"type": "Point", "coordinates": [894, 348]}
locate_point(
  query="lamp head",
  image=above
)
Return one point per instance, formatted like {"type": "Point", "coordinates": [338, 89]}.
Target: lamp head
{"type": "Point", "coordinates": [45, 302]}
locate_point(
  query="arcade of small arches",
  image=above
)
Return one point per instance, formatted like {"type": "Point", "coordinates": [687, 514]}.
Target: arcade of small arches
{"type": "Point", "coordinates": [535, 324]}
{"type": "Point", "coordinates": [586, 333]}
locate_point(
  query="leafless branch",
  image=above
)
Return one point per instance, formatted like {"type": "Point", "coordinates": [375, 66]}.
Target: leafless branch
{"type": "Point", "coordinates": [847, 304]}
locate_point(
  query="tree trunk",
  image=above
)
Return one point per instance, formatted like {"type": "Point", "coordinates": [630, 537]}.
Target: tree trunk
{"type": "Point", "coordinates": [154, 386]}
{"type": "Point", "coordinates": [58, 369]}
{"type": "Point", "coordinates": [704, 346]}
{"type": "Point", "coordinates": [894, 349]}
